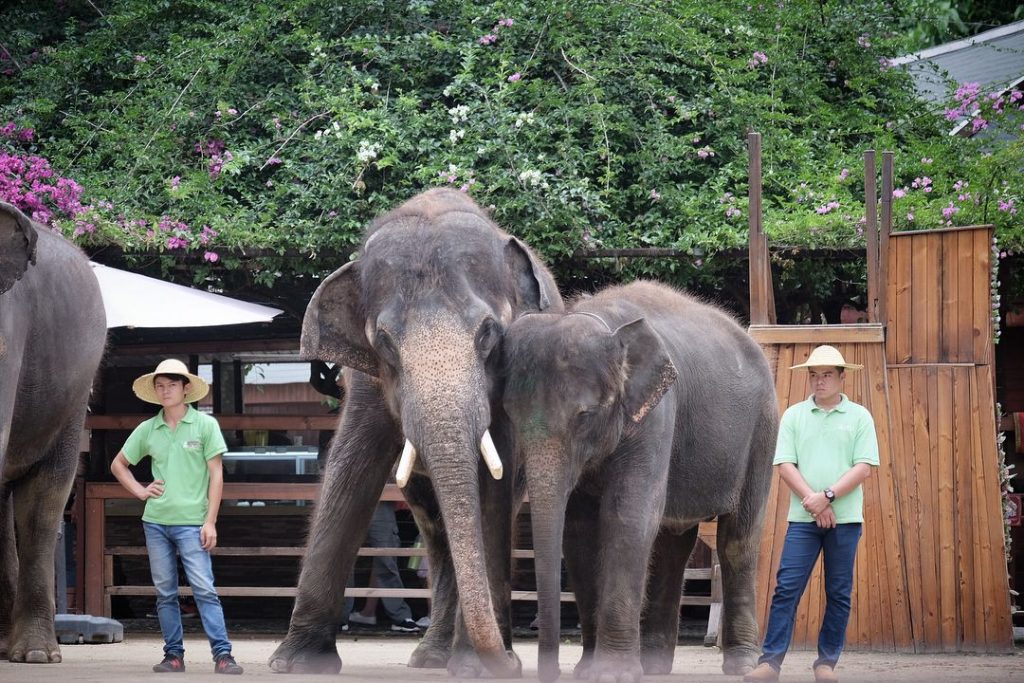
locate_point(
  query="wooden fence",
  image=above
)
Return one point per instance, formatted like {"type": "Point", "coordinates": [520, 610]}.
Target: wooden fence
{"type": "Point", "coordinates": [931, 568]}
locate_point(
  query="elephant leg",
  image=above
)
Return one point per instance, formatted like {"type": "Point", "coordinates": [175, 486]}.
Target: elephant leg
{"type": "Point", "coordinates": [361, 457]}
{"type": "Point", "coordinates": [39, 497]}
{"type": "Point", "coordinates": [631, 515]}
{"type": "Point", "coordinates": [435, 647]}
{"type": "Point", "coordinates": [582, 561]}
{"type": "Point", "coordinates": [659, 626]}
{"type": "Point", "coordinates": [738, 547]}
{"type": "Point", "coordinates": [497, 508]}
{"type": "Point", "coordinates": [8, 566]}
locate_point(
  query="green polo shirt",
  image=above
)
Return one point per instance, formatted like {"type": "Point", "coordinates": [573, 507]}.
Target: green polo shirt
{"type": "Point", "coordinates": [824, 445]}
{"type": "Point", "coordinates": [179, 459]}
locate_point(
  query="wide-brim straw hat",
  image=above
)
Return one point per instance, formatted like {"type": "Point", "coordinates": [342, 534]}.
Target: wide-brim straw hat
{"type": "Point", "coordinates": [826, 355]}
{"type": "Point", "coordinates": [143, 386]}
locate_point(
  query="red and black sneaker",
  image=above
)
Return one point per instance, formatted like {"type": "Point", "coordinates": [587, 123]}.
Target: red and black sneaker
{"type": "Point", "coordinates": [226, 664]}
{"type": "Point", "coordinates": [172, 664]}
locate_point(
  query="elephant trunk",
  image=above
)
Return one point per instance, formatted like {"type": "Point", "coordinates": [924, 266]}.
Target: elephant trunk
{"type": "Point", "coordinates": [547, 492]}
{"type": "Point", "coordinates": [454, 472]}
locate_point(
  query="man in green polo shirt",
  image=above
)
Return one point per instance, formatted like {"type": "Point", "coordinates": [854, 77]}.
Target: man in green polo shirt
{"type": "Point", "coordinates": [182, 502]}
{"type": "Point", "coordinates": [826, 449]}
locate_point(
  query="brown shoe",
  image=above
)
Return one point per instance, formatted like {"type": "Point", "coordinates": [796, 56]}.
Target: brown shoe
{"type": "Point", "coordinates": [764, 673]}
{"type": "Point", "coordinates": [823, 673]}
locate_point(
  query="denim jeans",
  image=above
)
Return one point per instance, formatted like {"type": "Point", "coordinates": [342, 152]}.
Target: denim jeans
{"type": "Point", "coordinates": [804, 542]}
{"type": "Point", "coordinates": [165, 544]}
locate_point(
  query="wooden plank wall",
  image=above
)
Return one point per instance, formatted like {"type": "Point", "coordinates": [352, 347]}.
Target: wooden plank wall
{"type": "Point", "coordinates": [931, 570]}
{"type": "Point", "coordinates": [880, 616]}
{"type": "Point", "coordinates": [941, 383]}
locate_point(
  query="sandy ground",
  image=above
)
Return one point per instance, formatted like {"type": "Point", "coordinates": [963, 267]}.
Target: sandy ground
{"type": "Point", "coordinates": [376, 658]}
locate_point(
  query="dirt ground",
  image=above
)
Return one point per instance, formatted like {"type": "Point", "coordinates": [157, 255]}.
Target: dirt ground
{"type": "Point", "coordinates": [381, 658]}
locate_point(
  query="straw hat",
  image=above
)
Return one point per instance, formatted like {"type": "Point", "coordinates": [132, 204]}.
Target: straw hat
{"type": "Point", "coordinates": [143, 386]}
{"type": "Point", "coordinates": [826, 355]}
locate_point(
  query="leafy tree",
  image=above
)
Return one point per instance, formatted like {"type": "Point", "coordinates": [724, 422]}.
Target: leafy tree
{"type": "Point", "coordinates": [205, 130]}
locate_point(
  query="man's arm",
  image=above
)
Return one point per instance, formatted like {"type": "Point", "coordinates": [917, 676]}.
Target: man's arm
{"type": "Point", "coordinates": [120, 469]}
{"type": "Point", "coordinates": [208, 534]}
{"type": "Point", "coordinates": [815, 502]}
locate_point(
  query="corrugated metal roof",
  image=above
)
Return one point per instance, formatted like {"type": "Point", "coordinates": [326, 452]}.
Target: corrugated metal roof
{"type": "Point", "coordinates": [995, 59]}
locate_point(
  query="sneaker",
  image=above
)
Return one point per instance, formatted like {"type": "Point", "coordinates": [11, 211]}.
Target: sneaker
{"type": "Point", "coordinates": [362, 620]}
{"type": "Point", "coordinates": [226, 664]}
{"type": "Point", "coordinates": [189, 610]}
{"type": "Point", "coordinates": [763, 673]}
{"type": "Point", "coordinates": [344, 627]}
{"type": "Point", "coordinates": [172, 664]}
{"type": "Point", "coordinates": [407, 626]}
{"type": "Point", "coordinates": [423, 622]}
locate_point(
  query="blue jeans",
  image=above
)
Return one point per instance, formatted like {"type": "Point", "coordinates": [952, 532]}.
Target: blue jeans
{"type": "Point", "coordinates": [804, 541]}
{"type": "Point", "coordinates": [165, 544]}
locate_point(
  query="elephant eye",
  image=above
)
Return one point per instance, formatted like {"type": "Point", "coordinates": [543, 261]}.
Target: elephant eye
{"type": "Point", "coordinates": [386, 348]}
{"type": "Point", "coordinates": [487, 336]}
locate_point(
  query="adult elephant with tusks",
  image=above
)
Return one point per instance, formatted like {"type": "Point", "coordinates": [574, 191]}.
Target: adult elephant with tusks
{"type": "Point", "coordinates": [52, 334]}
{"type": "Point", "coordinates": [418, 321]}
{"type": "Point", "coordinates": [640, 413]}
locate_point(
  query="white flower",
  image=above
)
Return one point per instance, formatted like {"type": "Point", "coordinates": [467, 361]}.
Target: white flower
{"type": "Point", "coordinates": [456, 135]}
{"type": "Point", "coordinates": [459, 113]}
{"type": "Point", "coordinates": [533, 178]}
{"type": "Point", "coordinates": [319, 134]}
{"type": "Point", "coordinates": [447, 92]}
{"type": "Point", "coordinates": [367, 151]}
{"type": "Point", "coordinates": [524, 118]}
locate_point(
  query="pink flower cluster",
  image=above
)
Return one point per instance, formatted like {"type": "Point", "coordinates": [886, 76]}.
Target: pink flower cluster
{"type": "Point", "coordinates": [218, 155]}
{"type": "Point", "coordinates": [757, 59]}
{"type": "Point", "coordinates": [28, 182]}
{"type": "Point", "coordinates": [827, 208]}
{"type": "Point", "coordinates": [924, 183]}
{"type": "Point", "coordinates": [492, 37]}
{"type": "Point", "coordinates": [1007, 207]}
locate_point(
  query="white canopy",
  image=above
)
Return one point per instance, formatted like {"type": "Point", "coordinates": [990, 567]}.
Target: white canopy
{"type": "Point", "coordinates": [133, 300]}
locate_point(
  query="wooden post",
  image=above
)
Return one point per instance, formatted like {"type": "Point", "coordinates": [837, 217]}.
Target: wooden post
{"type": "Point", "coordinates": [871, 234]}
{"type": "Point", "coordinates": [886, 229]}
{"type": "Point", "coordinates": [756, 249]}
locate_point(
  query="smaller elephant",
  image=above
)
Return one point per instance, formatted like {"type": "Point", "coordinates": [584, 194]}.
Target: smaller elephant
{"type": "Point", "coordinates": [640, 413]}
{"type": "Point", "coordinates": [52, 334]}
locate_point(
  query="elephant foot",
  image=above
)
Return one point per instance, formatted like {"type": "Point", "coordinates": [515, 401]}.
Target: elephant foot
{"type": "Point", "coordinates": [36, 653]}
{"type": "Point", "coordinates": [657, 663]}
{"type": "Point", "coordinates": [467, 664]}
{"type": "Point", "coordinates": [582, 670]}
{"type": "Point", "coordinates": [428, 655]}
{"type": "Point", "coordinates": [738, 662]}
{"type": "Point", "coordinates": [297, 655]}
{"type": "Point", "coordinates": [614, 668]}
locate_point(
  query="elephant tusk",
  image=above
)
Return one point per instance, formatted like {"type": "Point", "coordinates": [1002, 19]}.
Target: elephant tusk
{"type": "Point", "coordinates": [405, 464]}
{"type": "Point", "coordinates": [490, 454]}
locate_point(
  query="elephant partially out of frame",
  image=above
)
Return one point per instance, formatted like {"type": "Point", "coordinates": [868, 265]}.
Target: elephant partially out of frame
{"type": "Point", "coordinates": [52, 336]}
{"type": "Point", "coordinates": [640, 413]}
{"type": "Point", "coordinates": [418, 322]}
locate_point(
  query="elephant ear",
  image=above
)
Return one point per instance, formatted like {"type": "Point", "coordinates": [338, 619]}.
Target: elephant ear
{"type": "Point", "coordinates": [532, 283]}
{"type": "Point", "coordinates": [649, 370]}
{"type": "Point", "coordinates": [17, 245]}
{"type": "Point", "coordinates": [333, 328]}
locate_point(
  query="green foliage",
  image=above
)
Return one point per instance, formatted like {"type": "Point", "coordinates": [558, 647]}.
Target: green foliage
{"type": "Point", "coordinates": [286, 125]}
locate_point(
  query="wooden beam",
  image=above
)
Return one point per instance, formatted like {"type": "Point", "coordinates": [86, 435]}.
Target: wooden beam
{"type": "Point", "coordinates": [885, 231]}
{"type": "Point", "coordinates": [226, 421]}
{"type": "Point", "coordinates": [757, 248]}
{"type": "Point", "coordinates": [817, 334]}
{"type": "Point", "coordinates": [206, 347]}
{"type": "Point", "coordinates": [871, 235]}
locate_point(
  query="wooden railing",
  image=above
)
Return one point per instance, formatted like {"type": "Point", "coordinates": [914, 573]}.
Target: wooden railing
{"type": "Point", "coordinates": [99, 557]}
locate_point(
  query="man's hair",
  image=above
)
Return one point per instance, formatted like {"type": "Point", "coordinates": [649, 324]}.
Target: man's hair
{"type": "Point", "coordinates": [174, 378]}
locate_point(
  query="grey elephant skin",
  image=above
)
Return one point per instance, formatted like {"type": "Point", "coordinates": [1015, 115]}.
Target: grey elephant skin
{"type": "Point", "coordinates": [640, 413]}
{"type": "Point", "coordinates": [418, 321]}
{"type": "Point", "coordinates": [52, 335]}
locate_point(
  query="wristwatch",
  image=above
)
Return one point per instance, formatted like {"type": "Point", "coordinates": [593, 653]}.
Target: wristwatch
{"type": "Point", "coordinates": [830, 494]}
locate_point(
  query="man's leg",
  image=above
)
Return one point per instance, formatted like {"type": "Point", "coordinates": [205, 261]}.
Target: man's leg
{"type": "Point", "coordinates": [799, 553]}
{"type": "Point", "coordinates": [383, 533]}
{"type": "Point", "coordinates": [199, 570]}
{"type": "Point", "coordinates": [163, 565]}
{"type": "Point", "coordinates": [840, 550]}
